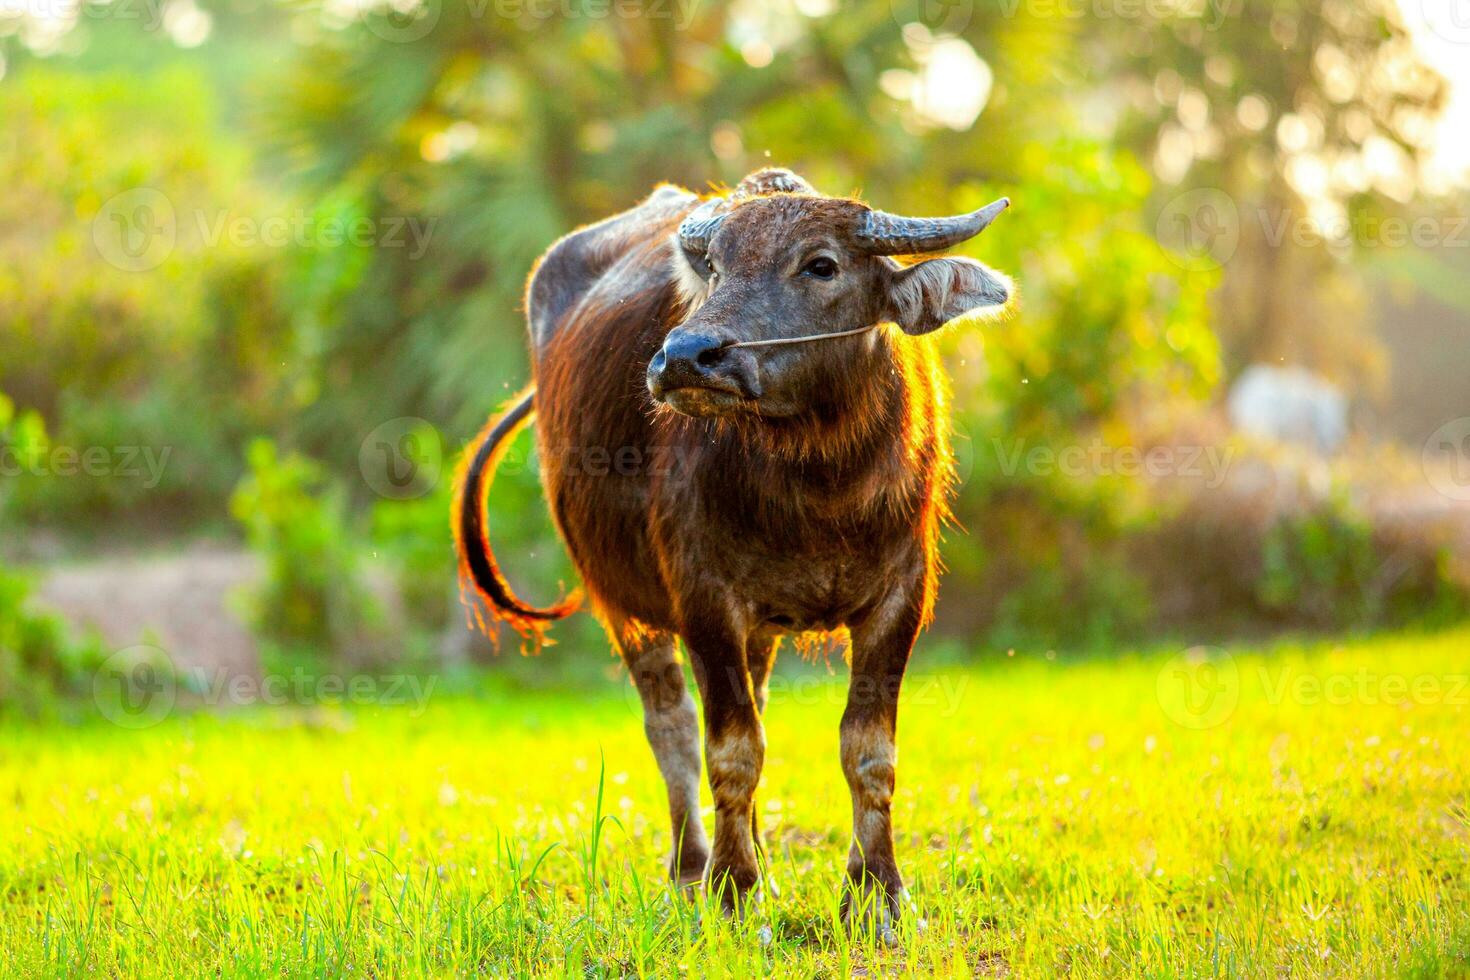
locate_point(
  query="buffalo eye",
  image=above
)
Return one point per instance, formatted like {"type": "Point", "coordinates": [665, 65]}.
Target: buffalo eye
{"type": "Point", "coordinates": [820, 267]}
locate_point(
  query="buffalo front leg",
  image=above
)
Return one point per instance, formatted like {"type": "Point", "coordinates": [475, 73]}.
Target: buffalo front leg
{"type": "Point", "coordinates": [672, 726]}
{"type": "Point", "coordinates": [734, 751]}
{"type": "Point", "coordinates": [880, 652]}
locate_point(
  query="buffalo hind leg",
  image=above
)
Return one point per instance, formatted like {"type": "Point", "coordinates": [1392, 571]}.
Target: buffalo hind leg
{"type": "Point", "coordinates": [672, 726]}
{"type": "Point", "coordinates": [760, 657]}
{"type": "Point", "coordinates": [880, 652]}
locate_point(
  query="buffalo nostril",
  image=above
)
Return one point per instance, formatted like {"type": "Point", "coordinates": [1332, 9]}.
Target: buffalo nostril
{"type": "Point", "coordinates": [690, 357]}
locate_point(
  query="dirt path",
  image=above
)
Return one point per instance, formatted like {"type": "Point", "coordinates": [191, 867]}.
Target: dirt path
{"type": "Point", "coordinates": [184, 603]}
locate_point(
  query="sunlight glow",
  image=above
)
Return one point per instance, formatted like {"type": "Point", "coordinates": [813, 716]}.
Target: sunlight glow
{"type": "Point", "coordinates": [761, 30]}
{"type": "Point", "coordinates": [1441, 33]}
{"type": "Point", "coordinates": [951, 86]}
{"type": "Point", "coordinates": [186, 23]}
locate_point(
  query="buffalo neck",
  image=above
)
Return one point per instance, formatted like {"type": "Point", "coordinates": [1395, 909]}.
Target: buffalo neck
{"type": "Point", "coordinates": [845, 455]}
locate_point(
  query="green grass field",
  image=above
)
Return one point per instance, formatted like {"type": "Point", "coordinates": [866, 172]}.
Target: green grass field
{"type": "Point", "coordinates": [1299, 810]}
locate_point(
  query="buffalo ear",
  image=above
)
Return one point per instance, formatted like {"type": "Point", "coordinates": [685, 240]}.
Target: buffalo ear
{"type": "Point", "coordinates": [924, 297]}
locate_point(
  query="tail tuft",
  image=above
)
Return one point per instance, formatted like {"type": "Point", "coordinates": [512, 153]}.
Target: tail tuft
{"type": "Point", "coordinates": [483, 588]}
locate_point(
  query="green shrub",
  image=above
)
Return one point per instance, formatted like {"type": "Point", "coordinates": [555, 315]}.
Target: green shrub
{"type": "Point", "coordinates": [1330, 567]}
{"type": "Point", "coordinates": [414, 535]}
{"type": "Point", "coordinates": [313, 602]}
{"type": "Point", "coordinates": [39, 663]}
{"type": "Point", "coordinates": [153, 454]}
{"type": "Point", "coordinates": [1320, 566]}
{"type": "Point", "coordinates": [22, 441]}
{"type": "Point", "coordinates": [1282, 546]}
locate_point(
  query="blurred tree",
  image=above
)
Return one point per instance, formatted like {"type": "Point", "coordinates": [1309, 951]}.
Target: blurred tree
{"type": "Point", "coordinates": [129, 313]}
{"type": "Point", "coordinates": [506, 131]}
{"type": "Point", "coordinates": [1315, 120]}
{"type": "Point", "coordinates": [428, 152]}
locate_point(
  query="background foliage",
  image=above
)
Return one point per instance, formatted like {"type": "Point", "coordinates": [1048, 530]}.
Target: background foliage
{"type": "Point", "coordinates": [463, 138]}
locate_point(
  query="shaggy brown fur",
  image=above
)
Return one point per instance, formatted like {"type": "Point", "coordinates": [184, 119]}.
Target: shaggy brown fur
{"type": "Point", "coordinates": [728, 497]}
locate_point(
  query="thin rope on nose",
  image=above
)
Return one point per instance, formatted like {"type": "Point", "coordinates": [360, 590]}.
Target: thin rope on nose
{"type": "Point", "coordinates": [781, 341]}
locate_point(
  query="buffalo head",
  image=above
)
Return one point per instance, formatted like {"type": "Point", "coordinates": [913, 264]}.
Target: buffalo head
{"type": "Point", "coordinates": [775, 260]}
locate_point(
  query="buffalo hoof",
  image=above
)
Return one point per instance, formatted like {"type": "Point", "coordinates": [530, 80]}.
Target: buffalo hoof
{"type": "Point", "coordinates": [873, 909]}
{"type": "Point", "coordinates": [734, 888]}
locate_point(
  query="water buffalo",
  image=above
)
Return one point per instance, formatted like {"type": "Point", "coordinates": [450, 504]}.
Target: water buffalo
{"type": "Point", "coordinates": [743, 431]}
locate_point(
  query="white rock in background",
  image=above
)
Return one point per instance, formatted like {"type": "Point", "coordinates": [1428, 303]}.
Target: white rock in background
{"type": "Point", "coordinates": [1289, 404]}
